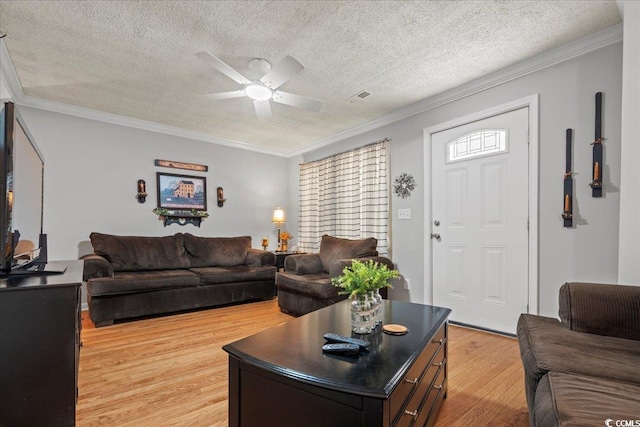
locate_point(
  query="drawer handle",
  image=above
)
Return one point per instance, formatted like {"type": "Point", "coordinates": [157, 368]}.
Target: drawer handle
{"type": "Point", "coordinates": [440, 341]}
{"type": "Point", "coordinates": [413, 414]}
{"type": "Point", "coordinates": [437, 364]}
{"type": "Point", "coordinates": [413, 381]}
{"type": "Point", "coordinates": [438, 387]}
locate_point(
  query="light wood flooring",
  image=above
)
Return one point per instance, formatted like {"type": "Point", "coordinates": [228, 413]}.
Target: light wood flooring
{"type": "Point", "coordinates": [172, 371]}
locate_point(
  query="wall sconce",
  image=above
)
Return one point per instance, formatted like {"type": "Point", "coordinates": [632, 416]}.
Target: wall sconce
{"type": "Point", "coordinates": [221, 198]}
{"type": "Point", "coordinates": [278, 219]}
{"type": "Point", "coordinates": [142, 191]}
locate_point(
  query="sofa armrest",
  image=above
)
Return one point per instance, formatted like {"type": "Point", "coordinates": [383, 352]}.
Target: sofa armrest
{"type": "Point", "coordinates": [259, 258]}
{"type": "Point", "coordinates": [602, 309]}
{"type": "Point", "coordinates": [96, 266]}
{"type": "Point", "coordinates": [303, 264]}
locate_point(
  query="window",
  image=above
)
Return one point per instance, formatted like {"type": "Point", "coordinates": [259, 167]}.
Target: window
{"type": "Point", "coordinates": [347, 196]}
{"type": "Point", "coordinates": [480, 143]}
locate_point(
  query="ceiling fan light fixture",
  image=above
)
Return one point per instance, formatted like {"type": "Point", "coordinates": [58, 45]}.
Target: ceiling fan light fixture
{"type": "Point", "coordinates": [258, 92]}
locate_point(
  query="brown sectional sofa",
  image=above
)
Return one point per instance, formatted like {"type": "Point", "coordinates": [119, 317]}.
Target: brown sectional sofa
{"type": "Point", "coordinates": [584, 368]}
{"type": "Point", "coordinates": [134, 276]}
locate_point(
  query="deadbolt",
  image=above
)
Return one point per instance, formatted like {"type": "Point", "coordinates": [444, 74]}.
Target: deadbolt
{"type": "Point", "coordinates": [436, 223]}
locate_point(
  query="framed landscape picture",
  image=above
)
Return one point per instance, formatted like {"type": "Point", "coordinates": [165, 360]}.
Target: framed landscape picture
{"type": "Point", "coordinates": [181, 192]}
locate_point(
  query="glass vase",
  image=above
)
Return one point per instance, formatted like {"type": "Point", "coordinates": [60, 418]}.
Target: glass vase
{"type": "Point", "coordinates": [379, 306]}
{"type": "Point", "coordinates": [362, 314]}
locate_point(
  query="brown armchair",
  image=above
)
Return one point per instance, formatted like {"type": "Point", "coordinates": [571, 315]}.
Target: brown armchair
{"type": "Point", "coordinates": [305, 284]}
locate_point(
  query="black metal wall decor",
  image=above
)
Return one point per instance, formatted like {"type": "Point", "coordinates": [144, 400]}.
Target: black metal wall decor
{"type": "Point", "coordinates": [567, 212]}
{"type": "Point", "coordinates": [597, 169]}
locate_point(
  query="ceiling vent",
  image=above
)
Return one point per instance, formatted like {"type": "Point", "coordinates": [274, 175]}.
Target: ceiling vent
{"type": "Point", "coordinates": [359, 96]}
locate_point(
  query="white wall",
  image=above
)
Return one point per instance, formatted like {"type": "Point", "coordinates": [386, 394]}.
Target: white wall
{"type": "Point", "coordinates": [4, 92]}
{"type": "Point", "coordinates": [587, 252]}
{"type": "Point", "coordinates": [629, 249]}
{"type": "Point", "coordinates": [91, 174]}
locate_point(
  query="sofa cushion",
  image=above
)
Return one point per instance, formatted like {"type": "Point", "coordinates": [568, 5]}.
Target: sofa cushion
{"type": "Point", "coordinates": [546, 345]}
{"type": "Point", "coordinates": [315, 285]}
{"type": "Point", "coordinates": [234, 274]}
{"type": "Point", "coordinates": [217, 251]}
{"type": "Point", "coordinates": [135, 253]}
{"type": "Point", "coordinates": [142, 281]}
{"type": "Point", "coordinates": [576, 400]}
{"type": "Point", "coordinates": [333, 249]}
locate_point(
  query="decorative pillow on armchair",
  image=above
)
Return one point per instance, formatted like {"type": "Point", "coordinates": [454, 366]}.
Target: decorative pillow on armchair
{"type": "Point", "coordinates": [334, 248]}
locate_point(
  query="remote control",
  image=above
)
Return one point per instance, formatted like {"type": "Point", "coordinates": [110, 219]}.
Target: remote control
{"type": "Point", "coordinates": [341, 348]}
{"type": "Point", "coordinates": [348, 340]}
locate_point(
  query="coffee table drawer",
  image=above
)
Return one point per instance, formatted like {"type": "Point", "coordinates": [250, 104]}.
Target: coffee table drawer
{"type": "Point", "coordinates": [422, 371]}
{"type": "Point", "coordinates": [427, 412]}
{"type": "Point", "coordinates": [419, 402]}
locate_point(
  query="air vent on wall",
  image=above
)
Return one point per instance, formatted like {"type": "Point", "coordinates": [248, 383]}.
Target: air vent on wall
{"type": "Point", "coordinates": [359, 96]}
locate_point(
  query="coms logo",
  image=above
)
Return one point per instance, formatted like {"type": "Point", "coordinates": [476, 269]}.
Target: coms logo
{"type": "Point", "coordinates": [621, 423]}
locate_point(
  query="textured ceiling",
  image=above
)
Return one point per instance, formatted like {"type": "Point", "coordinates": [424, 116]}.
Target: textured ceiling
{"type": "Point", "coordinates": [137, 58]}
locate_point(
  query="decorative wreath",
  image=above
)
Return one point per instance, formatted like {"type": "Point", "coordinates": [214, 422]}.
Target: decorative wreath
{"type": "Point", "coordinates": [404, 184]}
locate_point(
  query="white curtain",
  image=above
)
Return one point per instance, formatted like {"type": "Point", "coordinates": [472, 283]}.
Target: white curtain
{"type": "Point", "coordinates": [346, 195]}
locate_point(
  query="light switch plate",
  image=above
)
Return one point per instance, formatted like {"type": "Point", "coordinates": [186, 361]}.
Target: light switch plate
{"type": "Point", "coordinates": [404, 213]}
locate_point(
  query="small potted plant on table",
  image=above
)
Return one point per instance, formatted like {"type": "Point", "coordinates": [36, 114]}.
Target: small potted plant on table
{"type": "Point", "coordinates": [362, 281]}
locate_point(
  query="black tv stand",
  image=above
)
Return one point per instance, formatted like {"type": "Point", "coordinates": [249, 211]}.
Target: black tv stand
{"type": "Point", "coordinates": [40, 330]}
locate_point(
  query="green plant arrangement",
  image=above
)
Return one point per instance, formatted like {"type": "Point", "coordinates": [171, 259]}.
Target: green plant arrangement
{"type": "Point", "coordinates": [161, 211]}
{"type": "Point", "coordinates": [362, 277]}
{"type": "Point", "coordinates": [192, 212]}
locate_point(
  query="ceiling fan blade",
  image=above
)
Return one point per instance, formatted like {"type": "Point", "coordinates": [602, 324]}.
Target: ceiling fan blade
{"type": "Point", "coordinates": [225, 95]}
{"type": "Point", "coordinates": [297, 101]}
{"type": "Point", "coordinates": [282, 72]}
{"type": "Point", "coordinates": [223, 67]}
{"type": "Point", "coordinates": [263, 109]}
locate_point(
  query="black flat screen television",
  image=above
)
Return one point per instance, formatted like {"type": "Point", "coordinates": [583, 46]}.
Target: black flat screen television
{"type": "Point", "coordinates": [21, 194]}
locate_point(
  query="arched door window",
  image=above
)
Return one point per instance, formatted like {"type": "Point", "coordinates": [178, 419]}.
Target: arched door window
{"type": "Point", "coordinates": [479, 143]}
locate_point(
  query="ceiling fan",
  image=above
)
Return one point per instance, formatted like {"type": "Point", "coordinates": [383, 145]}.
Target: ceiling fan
{"type": "Point", "coordinates": [262, 83]}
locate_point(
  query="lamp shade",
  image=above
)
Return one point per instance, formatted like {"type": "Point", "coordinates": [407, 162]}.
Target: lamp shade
{"type": "Point", "coordinates": [278, 216]}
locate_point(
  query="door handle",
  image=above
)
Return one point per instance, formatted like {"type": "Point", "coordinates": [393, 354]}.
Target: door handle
{"type": "Point", "coordinates": [435, 236]}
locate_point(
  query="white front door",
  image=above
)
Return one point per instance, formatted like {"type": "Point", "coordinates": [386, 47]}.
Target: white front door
{"type": "Point", "coordinates": [480, 224]}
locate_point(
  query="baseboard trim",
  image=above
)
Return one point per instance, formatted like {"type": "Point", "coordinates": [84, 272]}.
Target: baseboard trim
{"type": "Point", "coordinates": [478, 328]}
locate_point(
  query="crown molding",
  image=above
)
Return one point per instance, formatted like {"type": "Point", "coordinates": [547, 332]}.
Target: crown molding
{"type": "Point", "coordinates": [72, 110]}
{"type": "Point", "coordinates": [547, 59]}
{"type": "Point", "coordinates": [544, 60]}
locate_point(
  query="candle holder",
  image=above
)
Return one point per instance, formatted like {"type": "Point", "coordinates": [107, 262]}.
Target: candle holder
{"type": "Point", "coordinates": [567, 212]}
{"type": "Point", "coordinates": [142, 191]}
{"type": "Point", "coordinates": [597, 182]}
{"type": "Point", "coordinates": [265, 242]}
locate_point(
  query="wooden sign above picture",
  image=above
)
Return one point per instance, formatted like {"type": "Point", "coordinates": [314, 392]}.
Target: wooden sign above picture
{"type": "Point", "coordinates": [181, 165]}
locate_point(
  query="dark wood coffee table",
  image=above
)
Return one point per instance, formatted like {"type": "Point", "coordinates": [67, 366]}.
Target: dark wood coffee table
{"type": "Point", "coordinates": [280, 377]}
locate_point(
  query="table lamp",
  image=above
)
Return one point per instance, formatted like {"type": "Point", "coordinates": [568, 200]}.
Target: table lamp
{"type": "Point", "coordinates": [278, 219]}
